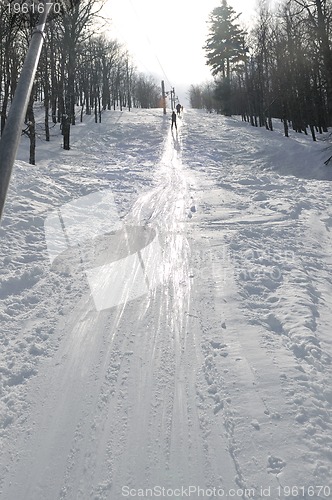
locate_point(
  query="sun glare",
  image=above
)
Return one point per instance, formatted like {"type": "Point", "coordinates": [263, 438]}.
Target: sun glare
{"type": "Point", "coordinates": [166, 39]}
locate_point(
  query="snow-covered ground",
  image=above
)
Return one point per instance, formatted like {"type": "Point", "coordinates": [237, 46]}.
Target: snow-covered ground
{"type": "Point", "coordinates": [187, 346]}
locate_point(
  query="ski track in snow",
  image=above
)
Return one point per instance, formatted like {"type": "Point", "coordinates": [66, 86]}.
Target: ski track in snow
{"type": "Point", "coordinates": [221, 375]}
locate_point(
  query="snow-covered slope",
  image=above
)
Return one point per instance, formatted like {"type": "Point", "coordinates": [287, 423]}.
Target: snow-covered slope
{"type": "Point", "coordinates": [187, 345]}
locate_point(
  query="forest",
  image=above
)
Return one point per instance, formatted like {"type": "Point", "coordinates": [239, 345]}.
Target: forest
{"type": "Point", "coordinates": [281, 67]}
{"type": "Point", "coordinates": [80, 72]}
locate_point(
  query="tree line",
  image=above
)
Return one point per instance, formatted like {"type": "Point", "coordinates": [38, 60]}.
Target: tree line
{"type": "Point", "coordinates": [79, 73]}
{"type": "Point", "coordinates": [282, 68]}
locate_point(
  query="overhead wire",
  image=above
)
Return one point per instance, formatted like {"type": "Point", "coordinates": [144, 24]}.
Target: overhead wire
{"type": "Point", "coordinates": [151, 44]}
{"type": "Point", "coordinates": [122, 38]}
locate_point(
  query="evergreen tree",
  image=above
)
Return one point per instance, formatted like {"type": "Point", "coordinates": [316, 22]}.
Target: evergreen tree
{"type": "Point", "coordinates": [225, 43]}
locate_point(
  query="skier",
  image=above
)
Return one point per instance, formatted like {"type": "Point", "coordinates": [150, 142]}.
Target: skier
{"type": "Point", "coordinates": [174, 120]}
{"type": "Point", "coordinates": [178, 108]}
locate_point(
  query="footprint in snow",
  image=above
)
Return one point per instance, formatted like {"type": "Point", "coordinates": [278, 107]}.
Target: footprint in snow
{"type": "Point", "coordinates": [255, 424]}
{"type": "Point", "coordinates": [275, 464]}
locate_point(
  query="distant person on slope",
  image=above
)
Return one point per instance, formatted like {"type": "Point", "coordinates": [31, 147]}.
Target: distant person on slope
{"type": "Point", "coordinates": [174, 120]}
{"type": "Point", "coordinates": [178, 108]}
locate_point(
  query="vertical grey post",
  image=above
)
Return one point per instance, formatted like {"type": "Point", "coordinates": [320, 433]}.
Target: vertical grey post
{"type": "Point", "coordinates": [173, 98]}
{"type": "Point", "coordinates": [12, 132]}
{"type": "Point", "coordinates": [163, 95]}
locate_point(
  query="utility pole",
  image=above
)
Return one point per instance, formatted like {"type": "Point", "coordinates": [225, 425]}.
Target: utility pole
{"type": "Point", "coordinates": [13, 129]}
{"type": "Point", "coordinates": [163, 95]}
{"type": "Point", "coordinates": [172, 98]}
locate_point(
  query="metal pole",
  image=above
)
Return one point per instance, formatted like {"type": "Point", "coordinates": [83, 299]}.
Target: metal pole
{"type": "Point", "coordinates": [173, 97]}
{"type": "Point", "coordinates": [163, 95]}
{"type": "Point", "coordinates": [13, 129]}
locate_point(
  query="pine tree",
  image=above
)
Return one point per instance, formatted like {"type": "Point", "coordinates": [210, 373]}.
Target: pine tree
{"type": "Point", "coordinates": [225, 43]}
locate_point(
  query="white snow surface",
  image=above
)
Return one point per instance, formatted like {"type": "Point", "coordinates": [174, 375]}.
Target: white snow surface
{"type": "Point", "coordinates": [218, 374]}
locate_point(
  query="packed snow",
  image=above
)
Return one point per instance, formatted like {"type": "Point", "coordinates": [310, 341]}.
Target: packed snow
{"type": "Point", "coordinates": [166, 312]}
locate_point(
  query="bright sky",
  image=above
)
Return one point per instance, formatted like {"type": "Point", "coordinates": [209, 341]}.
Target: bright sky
{"type": "Point", "coordinates": [166, 37]}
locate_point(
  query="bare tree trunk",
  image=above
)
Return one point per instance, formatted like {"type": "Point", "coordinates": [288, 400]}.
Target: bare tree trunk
{"type": "Point", "coordinates": [326, 54]}
{"type": "Point", "coordinates": [32, 130]}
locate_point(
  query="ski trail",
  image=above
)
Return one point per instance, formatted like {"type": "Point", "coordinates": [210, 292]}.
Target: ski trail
{"type": "Point", "coordinates": [164, 409]}
{"type": "Point", "coordinates": [191, 456]}
{"type": "Point", "coordinates": [218, 376]}
{"type": "Point", "coordinates": [119, 399]}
